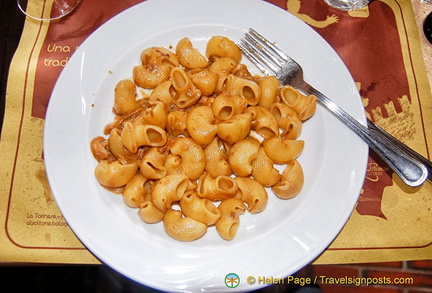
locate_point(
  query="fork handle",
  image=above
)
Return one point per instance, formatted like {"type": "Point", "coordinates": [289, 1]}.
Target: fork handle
{"type": "Point", "coordinates": [404, 147]}
{"type": "Point", "coordinates": [407, 167]}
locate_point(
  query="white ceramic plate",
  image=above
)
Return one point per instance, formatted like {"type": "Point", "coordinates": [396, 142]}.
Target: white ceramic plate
{"type": "Point", "coordinates": [275, 243]}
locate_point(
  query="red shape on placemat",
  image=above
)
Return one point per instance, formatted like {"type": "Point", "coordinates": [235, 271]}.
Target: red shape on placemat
{"type": "Point", "coordinates": [378, 177]}
{"type": "Point", "coordinates": [62, 40]}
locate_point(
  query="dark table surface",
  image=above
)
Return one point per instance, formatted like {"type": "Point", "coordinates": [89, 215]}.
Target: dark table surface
{"type": "Point", "coordinates": [11, 26]}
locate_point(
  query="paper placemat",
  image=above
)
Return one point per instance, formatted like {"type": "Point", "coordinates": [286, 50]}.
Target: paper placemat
{"type": "Point", "coordinates": [379, 44]}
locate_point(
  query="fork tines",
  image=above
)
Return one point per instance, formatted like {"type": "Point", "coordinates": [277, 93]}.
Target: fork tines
{"type": "Point", "coordinates": [262, 53]}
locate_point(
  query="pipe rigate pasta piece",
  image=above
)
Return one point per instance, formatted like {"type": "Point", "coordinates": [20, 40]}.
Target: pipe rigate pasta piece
{"type": "Point", "coordinates": [263, 121]}
{"type": "Point", "coordinates": [155, 114]}
{"type": "Point", "coordinates": [187, 93]}
{"type": "Point", "coordinates": [201, 125]}
{"type": "Point", "coordinates": [168, 190]}
{"type": "Point", "coordinates": [229, 221]}
{"type": "Point", "coordinates": [152, 165]}
{"type": "Point", "coordinates": [204, 80]}
{"type": "Point", "coordinates": [235, 129]}
{"type": "Point", "coordinates": [245, 88]}
{"type": "Point", "coordinates": [216, 155]}
{"type": "Point", "coordinates": [183, 228]}
{"type": "Point", "coordinates": [163, 92]}
{"type": "Point", "coordinates": [192, 156]}
{"type": "Point", "coordinates": [288, 120]}
{"type": "Point", "coordinates": [225, 106]}
{"type": "Point", "coordinates": [216, 189]}
{"type": "Point", "coordinates": [263, 169]}
{"type": "Point", "coordinates": [291, 182]}
{"type": "Point", "coordinates": [220, 46]}
{"type": "Point", "coordinates": [252, 193]}
{"type": "Point", "coordinates": [149, 213]}
{"type": "Point", "coordinates": [173, 164]}
{"type": "Point", "coordinates": [242, 155]}
{"type": "Point", "coordinates": [115, 174]}
{"type": "Point", "coordinates": [269, 91]}
{"type": "Point", "coordinates": [125, 97]}
{"type": "Point", "coordinates": [282, 151]}
{"type": "Point", "coordinates": [98, 146]}
{"type": "Point", "coordinates": [117, 147]}
{"type": "Point", "coordinates": [176, 123]}
{"type": "Point", "coordinates": [188, 56]}
{"type": "Point", "coordinates": [304, 106]}
{"type": "Point", "coordinates": [222, 67]}
{"type": "Point", "coordinates": [156, 67]}
{"type": "Point", "coordinates": [199, 209]}
{"type": "Point", "coordinates": [135, 191]}
{"type": "Point", "coordinates": [135, 136]}
{"type": "Point", "coordinates": [149, 77]}
{"type": "Point", "coordinates": [159, 55]}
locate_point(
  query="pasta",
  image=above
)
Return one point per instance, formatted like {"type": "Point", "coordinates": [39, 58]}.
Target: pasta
{"type": "Point", "coordinates": [229, 221]}
{"type": "Point", "coordinates": [205, 81]}
{"type": "Point", "coordinates": [152, 165]}
{"type": "Point", "coordinates": [303, 105]}
{"type": "Point", "coordinates": [163, 92]}
{"type": "Point", "coordinates": [134, 136]}
{"type": "Point", "coordinates": [125, 97]}
{"type": "Point", "coordinates": [216, 189]}
{"type": "Point", "coordinates": [235, 129]}
{"type": "Point", "coordinates": [155, 114]}
{"type": "Point", "coordinates": [245, 88]}
{"type": "Point", "coordinates": [192, 157]}
{"type": "Point", "coordinates": [292, 181]}
{"type": "Point", "coordinates": [263, 121]}
{"type": "Point", "coordinates": [226, 106]}
{"type": "Point", "coordinates": [183, 228]}
{"type": "Point", "coordinates": [155, 67]}
{"type": "Point", "coordinates": [115, 174]}
{"type": "Point", "coordinates": [117, 148]}
{"type": "Point", "coordinates": [199, 209]}
{"type": "Point", "coordinates": [252, 193]}
{"type": "Point", "coordinates": [200, 124]}
{"type": "Point", "coordinates": [288, 120]}
{"type": "Point", "coordinates": [187, 93]}
{"type": "Point", "coordinates": [201, 147]}
{"type": "Point", "coordinates": [216, 158]}
{"type": "Point", "coordinates": [169, 189]}
{"type": "Point", "coordinates": [221, 46]}
{"type": "Point", "coordinates": [188, 56]}
{"type": "Point", "coordinates": [282, 151]}
{"type": "Point", "coordinates": [135, 191]}
{"type": "Point", "coordinates": [241, 156]}
{"type": "Point", "coordinates": [149, 213]}
{"type": "Point", "coordinates": [269, 91]}
{"type": "Point", "coordinates": [263, 169]}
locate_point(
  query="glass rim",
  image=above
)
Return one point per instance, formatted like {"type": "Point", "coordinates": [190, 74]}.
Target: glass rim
{"type": "Point", "coordinates": [47, 18]}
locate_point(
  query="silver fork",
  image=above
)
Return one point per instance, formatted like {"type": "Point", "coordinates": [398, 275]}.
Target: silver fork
{"type": "Point", "coordinates": [410, 166]}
